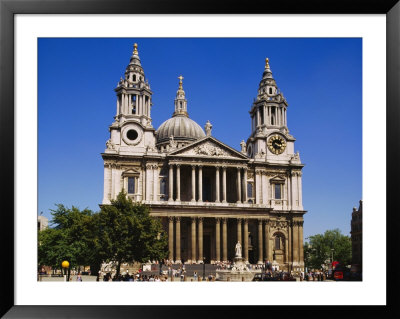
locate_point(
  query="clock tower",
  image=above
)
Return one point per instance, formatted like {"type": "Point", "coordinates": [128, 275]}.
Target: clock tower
{"type": "Point", "coordinates": [270, 139]}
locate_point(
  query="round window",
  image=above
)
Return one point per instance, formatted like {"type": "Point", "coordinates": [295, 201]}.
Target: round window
{"type": "Point", "coordinates": [132, 135]}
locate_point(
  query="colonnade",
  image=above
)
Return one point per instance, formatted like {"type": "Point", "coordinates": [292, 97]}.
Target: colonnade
{"type": "Point", "coordinates": [293, 237]}
{"type": "Point", "coordinates": [197, 183]}
{"type": "Point", "coordinates": [126, 103]}
{"type": "Point", "coordinates": [267, 117]}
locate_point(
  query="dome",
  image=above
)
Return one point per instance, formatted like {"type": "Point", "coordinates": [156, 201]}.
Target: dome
{"type": "Point", "coordinates": [181, 128]}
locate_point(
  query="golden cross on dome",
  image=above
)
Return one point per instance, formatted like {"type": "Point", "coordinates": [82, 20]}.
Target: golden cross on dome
{"type": "Point", "coordinates": [266, 63]}
{"type": "Point", "coordinates": [180, 81]}
{"type": "Point", "coordinates": [135, 51]}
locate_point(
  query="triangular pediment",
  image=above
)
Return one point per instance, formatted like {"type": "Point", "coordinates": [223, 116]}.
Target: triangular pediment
{"type": "Point", "coordinates": [130, 171]}
{"type": "Point", "coordinates": [277, 179]}
{"type": "Point", "coordinates": [209, 147]}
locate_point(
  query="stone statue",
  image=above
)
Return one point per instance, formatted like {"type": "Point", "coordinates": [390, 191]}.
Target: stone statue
{"type": "Point", "coordinates": [243, 146]}
{"type": "Point", "coordinates": [172, 142]}
{"type": "Point", "coordinates": [238, 249]}
{"type": "Point", "coordinates": [109, 145]}
{"type": "Point", "coordinates": [208, 128]}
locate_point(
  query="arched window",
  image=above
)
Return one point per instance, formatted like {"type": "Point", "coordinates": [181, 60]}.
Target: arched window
{"type": "Point", "coordinates": [270, 90]}
{"type": "Point", "coordinates": [134, 78]}
{"type": "Point", "coordinates": [278, 242]}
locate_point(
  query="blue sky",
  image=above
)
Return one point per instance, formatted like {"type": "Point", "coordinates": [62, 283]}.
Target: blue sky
{"type": "Point", "coordinates": [320, 78]}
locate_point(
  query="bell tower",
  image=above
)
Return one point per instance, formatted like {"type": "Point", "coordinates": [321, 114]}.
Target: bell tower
{"type": "Point", "coordinates": [270, 139]}
{"type": "Point", "coordinates": [132, 131]}
{"type": "Point", "coordinates": [133, 92]}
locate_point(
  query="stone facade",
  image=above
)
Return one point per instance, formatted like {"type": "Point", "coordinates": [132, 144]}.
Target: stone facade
{"type": "Point", "coordinates": [356, 235]}
{"type": "Point", "coordinates": [208, 195]}
{"type": "Point", "coordinates": [43, 223]}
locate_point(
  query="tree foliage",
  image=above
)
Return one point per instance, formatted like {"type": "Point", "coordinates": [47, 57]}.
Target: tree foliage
{"type": "Point", "coordinates": [319, 249]}
{"type": "Point", "coordinates": [69, 239]}
{"type": "Point", "coordinates": [127, 232]}
{"type": "Point", "coordinates": [121, 232]}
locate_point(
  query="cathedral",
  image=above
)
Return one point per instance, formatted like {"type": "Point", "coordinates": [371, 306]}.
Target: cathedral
{"type": "Point", "coordinates": [208, 195]}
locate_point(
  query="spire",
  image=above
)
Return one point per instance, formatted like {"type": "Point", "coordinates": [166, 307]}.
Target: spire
{"type": "Point", "coordinates": [134, 74]}
{"type": "Point", "coordinates": [135, 60]}
{"type": "Point", "coordinates": [266, 63]}
{"type": "Point", "coordinates": [267, 84]}
{"type": "Point", "coordinates": [180, 100]}
{"type": "Point", "coordinates": [267, 71]}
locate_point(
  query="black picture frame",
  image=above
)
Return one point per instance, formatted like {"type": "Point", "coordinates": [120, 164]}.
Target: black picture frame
{"type": "Point", "coordinates": [8, 10]}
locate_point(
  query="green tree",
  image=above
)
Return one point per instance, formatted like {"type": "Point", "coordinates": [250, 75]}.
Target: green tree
{"type": "Point", "coordinates": [126, 232]}
{"type": "Point", "coordinates": [70, 238]}
{"type": "Point", "coordinates": [319, 248]}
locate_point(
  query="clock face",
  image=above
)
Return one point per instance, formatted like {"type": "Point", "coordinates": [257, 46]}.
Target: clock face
{"type": "Point", "coordinates": [276, 144]}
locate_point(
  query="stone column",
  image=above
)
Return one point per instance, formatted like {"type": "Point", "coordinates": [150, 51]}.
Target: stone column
{"type": "Point", "coordinates": [257, 187]}
{"type": "Point", "coordinates": [193, 183]}
{"type": "Point", "coordinates": [217, 190]}
{"type": "Point", "coordinates": [217, 239]}
{"type": "Point", "coordinates": [295, 242]}
{"type": "Point", "coordinates": [246, 239]}
{"type": "Point", "coordinates": [224, 240]}
{"type": "Point", "coordinates": [155, 183]}
{"type": "Point", "coordinates": [260, 242]}
{"type": "Point", "coordinates": [107, 184]}
{"type": "Point", "coordinates": [143, 187]}
{"type": "Point", "coordinates": [267, 191]}
{"type": "Point", "coordinates": [289, 193]}
{"type": "Point", "coordinates": [264, 188]}
{"type": "Point", "coordinates": [290, 246]}
{"type": "Point", "coordinates": [286, 251]}
{"type": "Point", "coordinates": [148, 182]}
{"type": "Point", "coordinates": [265, 114]}
{"type": "Point", "coordinates": [200, 184]}
{"type": "Point", "coordinates": [300, 190]}
{"type": "Point", "coordinates": [301, 253]}
{"type": "Point", "coordinates": [224, 184]}
{"type": "Point", "coordinates": [295, 202]}
{"type": "Point", "coordinates": [112, 183]}
{"type": "Point", "coordinates": [118, 106]}
{"type": "Point", "coordinates": [244, 185]}
{"type": "Point", "coordinates": [171, 183]}
{"type": "Point", "coordinates": [177, 239]}
{"type": "Point", "coordinates": [200, 239]}
{"type": "Point", "coordinates": [193, 239]}
{"type": "Point", "coordinates": [178, 182]}
{"type": "Point", "coordinates": [171, 238]}
{"type": "Point", "coordinates": [239, 231]}
{"type": "Point", "coordinates": [239, 186]}
{"type": "Point", "coordinates": [267, 247]}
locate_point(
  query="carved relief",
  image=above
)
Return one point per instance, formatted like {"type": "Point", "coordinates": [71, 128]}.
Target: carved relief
{"type": "Point", "coordinates": [210, 150]}
{"type": "Point", "coordinates": [278, 224]}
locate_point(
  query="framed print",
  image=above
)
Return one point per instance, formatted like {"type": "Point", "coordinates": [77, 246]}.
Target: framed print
{"type": "Point", "coordinates": [207, 187]}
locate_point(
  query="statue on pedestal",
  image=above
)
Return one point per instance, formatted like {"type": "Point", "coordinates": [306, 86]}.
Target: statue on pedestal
{"type": "Point", "coordinates": [238, 249]}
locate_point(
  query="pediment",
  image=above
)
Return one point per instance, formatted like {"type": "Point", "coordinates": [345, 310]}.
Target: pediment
{"type": "Point", "coordinates": [130, 171]}
{"type": "Point", "coordinates": [209, 147]}
{"type": "Point", "coordinates": [277, 179]}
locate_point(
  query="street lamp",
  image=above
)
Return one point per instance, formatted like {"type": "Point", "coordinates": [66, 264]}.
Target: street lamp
{"type": "Point", "coordinates": [332, 250]}
{"type": "Point", "coordinates": [204, 268]}
{"type": "Point", "coordinates": [65, 265]}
